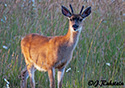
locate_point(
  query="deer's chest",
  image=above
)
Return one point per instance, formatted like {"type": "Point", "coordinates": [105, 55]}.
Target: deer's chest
{"type": "Point", "coordinates": [63, 59]}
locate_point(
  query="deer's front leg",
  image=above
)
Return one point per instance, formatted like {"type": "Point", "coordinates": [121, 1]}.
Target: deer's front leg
{"type": "Point", "coordinates": [51, 74]}
{"type": "Point", "coordinates": [60, 77]}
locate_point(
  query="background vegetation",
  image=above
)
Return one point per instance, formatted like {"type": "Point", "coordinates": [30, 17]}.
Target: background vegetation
{"type": "Point", "coordinates": [100, 53]}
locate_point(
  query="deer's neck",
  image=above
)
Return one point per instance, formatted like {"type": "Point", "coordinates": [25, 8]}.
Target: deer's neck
{"type": "Point", "coordinates": [73, 37]}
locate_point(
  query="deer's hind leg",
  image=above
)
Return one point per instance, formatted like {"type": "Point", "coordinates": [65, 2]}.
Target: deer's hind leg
{"type": "Point", "coordinates": [24, 77]}
{"type": "Point", "coordinates": [25, 73]}
{"type": "Point", "coordinates": [31, 71]}
{"type": "Point", "coordinates": [28, 71]}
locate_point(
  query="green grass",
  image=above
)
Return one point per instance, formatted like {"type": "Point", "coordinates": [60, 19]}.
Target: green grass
{"type": "Point", "coordinates": [99, 43]}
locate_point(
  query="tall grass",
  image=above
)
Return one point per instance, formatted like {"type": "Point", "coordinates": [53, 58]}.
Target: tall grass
{"type": "Point", "coordinates": [100, 53]}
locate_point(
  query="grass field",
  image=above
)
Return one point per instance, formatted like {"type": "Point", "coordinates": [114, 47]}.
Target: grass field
{"type": "Point", "coordinates": [99, 55]}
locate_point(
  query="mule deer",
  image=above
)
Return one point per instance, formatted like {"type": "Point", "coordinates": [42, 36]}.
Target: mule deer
{"type": "Point", "coordinates": [50, 53]}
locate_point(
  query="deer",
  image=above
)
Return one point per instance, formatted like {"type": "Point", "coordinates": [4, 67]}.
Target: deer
{"type": "Point", "coordinates": [47, 53]}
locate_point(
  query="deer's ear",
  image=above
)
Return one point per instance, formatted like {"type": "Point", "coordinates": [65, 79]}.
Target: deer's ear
{"type": "Point", "coordinates": [66, 12]}
{"type": "Point", "coordinates": [86, 12]}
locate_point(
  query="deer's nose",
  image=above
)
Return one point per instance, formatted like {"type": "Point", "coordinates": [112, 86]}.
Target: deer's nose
{"type": "Point", "coordinates": [75, 26]}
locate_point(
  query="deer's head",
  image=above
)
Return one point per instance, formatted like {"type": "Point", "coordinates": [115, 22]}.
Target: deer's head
{"type": "Point", "coordinates": [75, 20]}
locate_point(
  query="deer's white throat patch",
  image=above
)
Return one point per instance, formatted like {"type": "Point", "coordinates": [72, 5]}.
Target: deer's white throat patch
{"type": "Point", "coordinates": [79, 29]}
{"type": "Point", "coordinates": [72, 39]}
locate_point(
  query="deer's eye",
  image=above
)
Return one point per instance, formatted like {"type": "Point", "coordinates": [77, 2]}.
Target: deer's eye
{"type": "Point", "coordinates": [80, 20]}
{"type": "Point", "coordinates": [71, 19]}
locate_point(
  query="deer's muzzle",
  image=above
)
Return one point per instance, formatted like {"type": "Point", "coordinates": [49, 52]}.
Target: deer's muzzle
{"type": "Point", "coordinates": [75, 26]}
